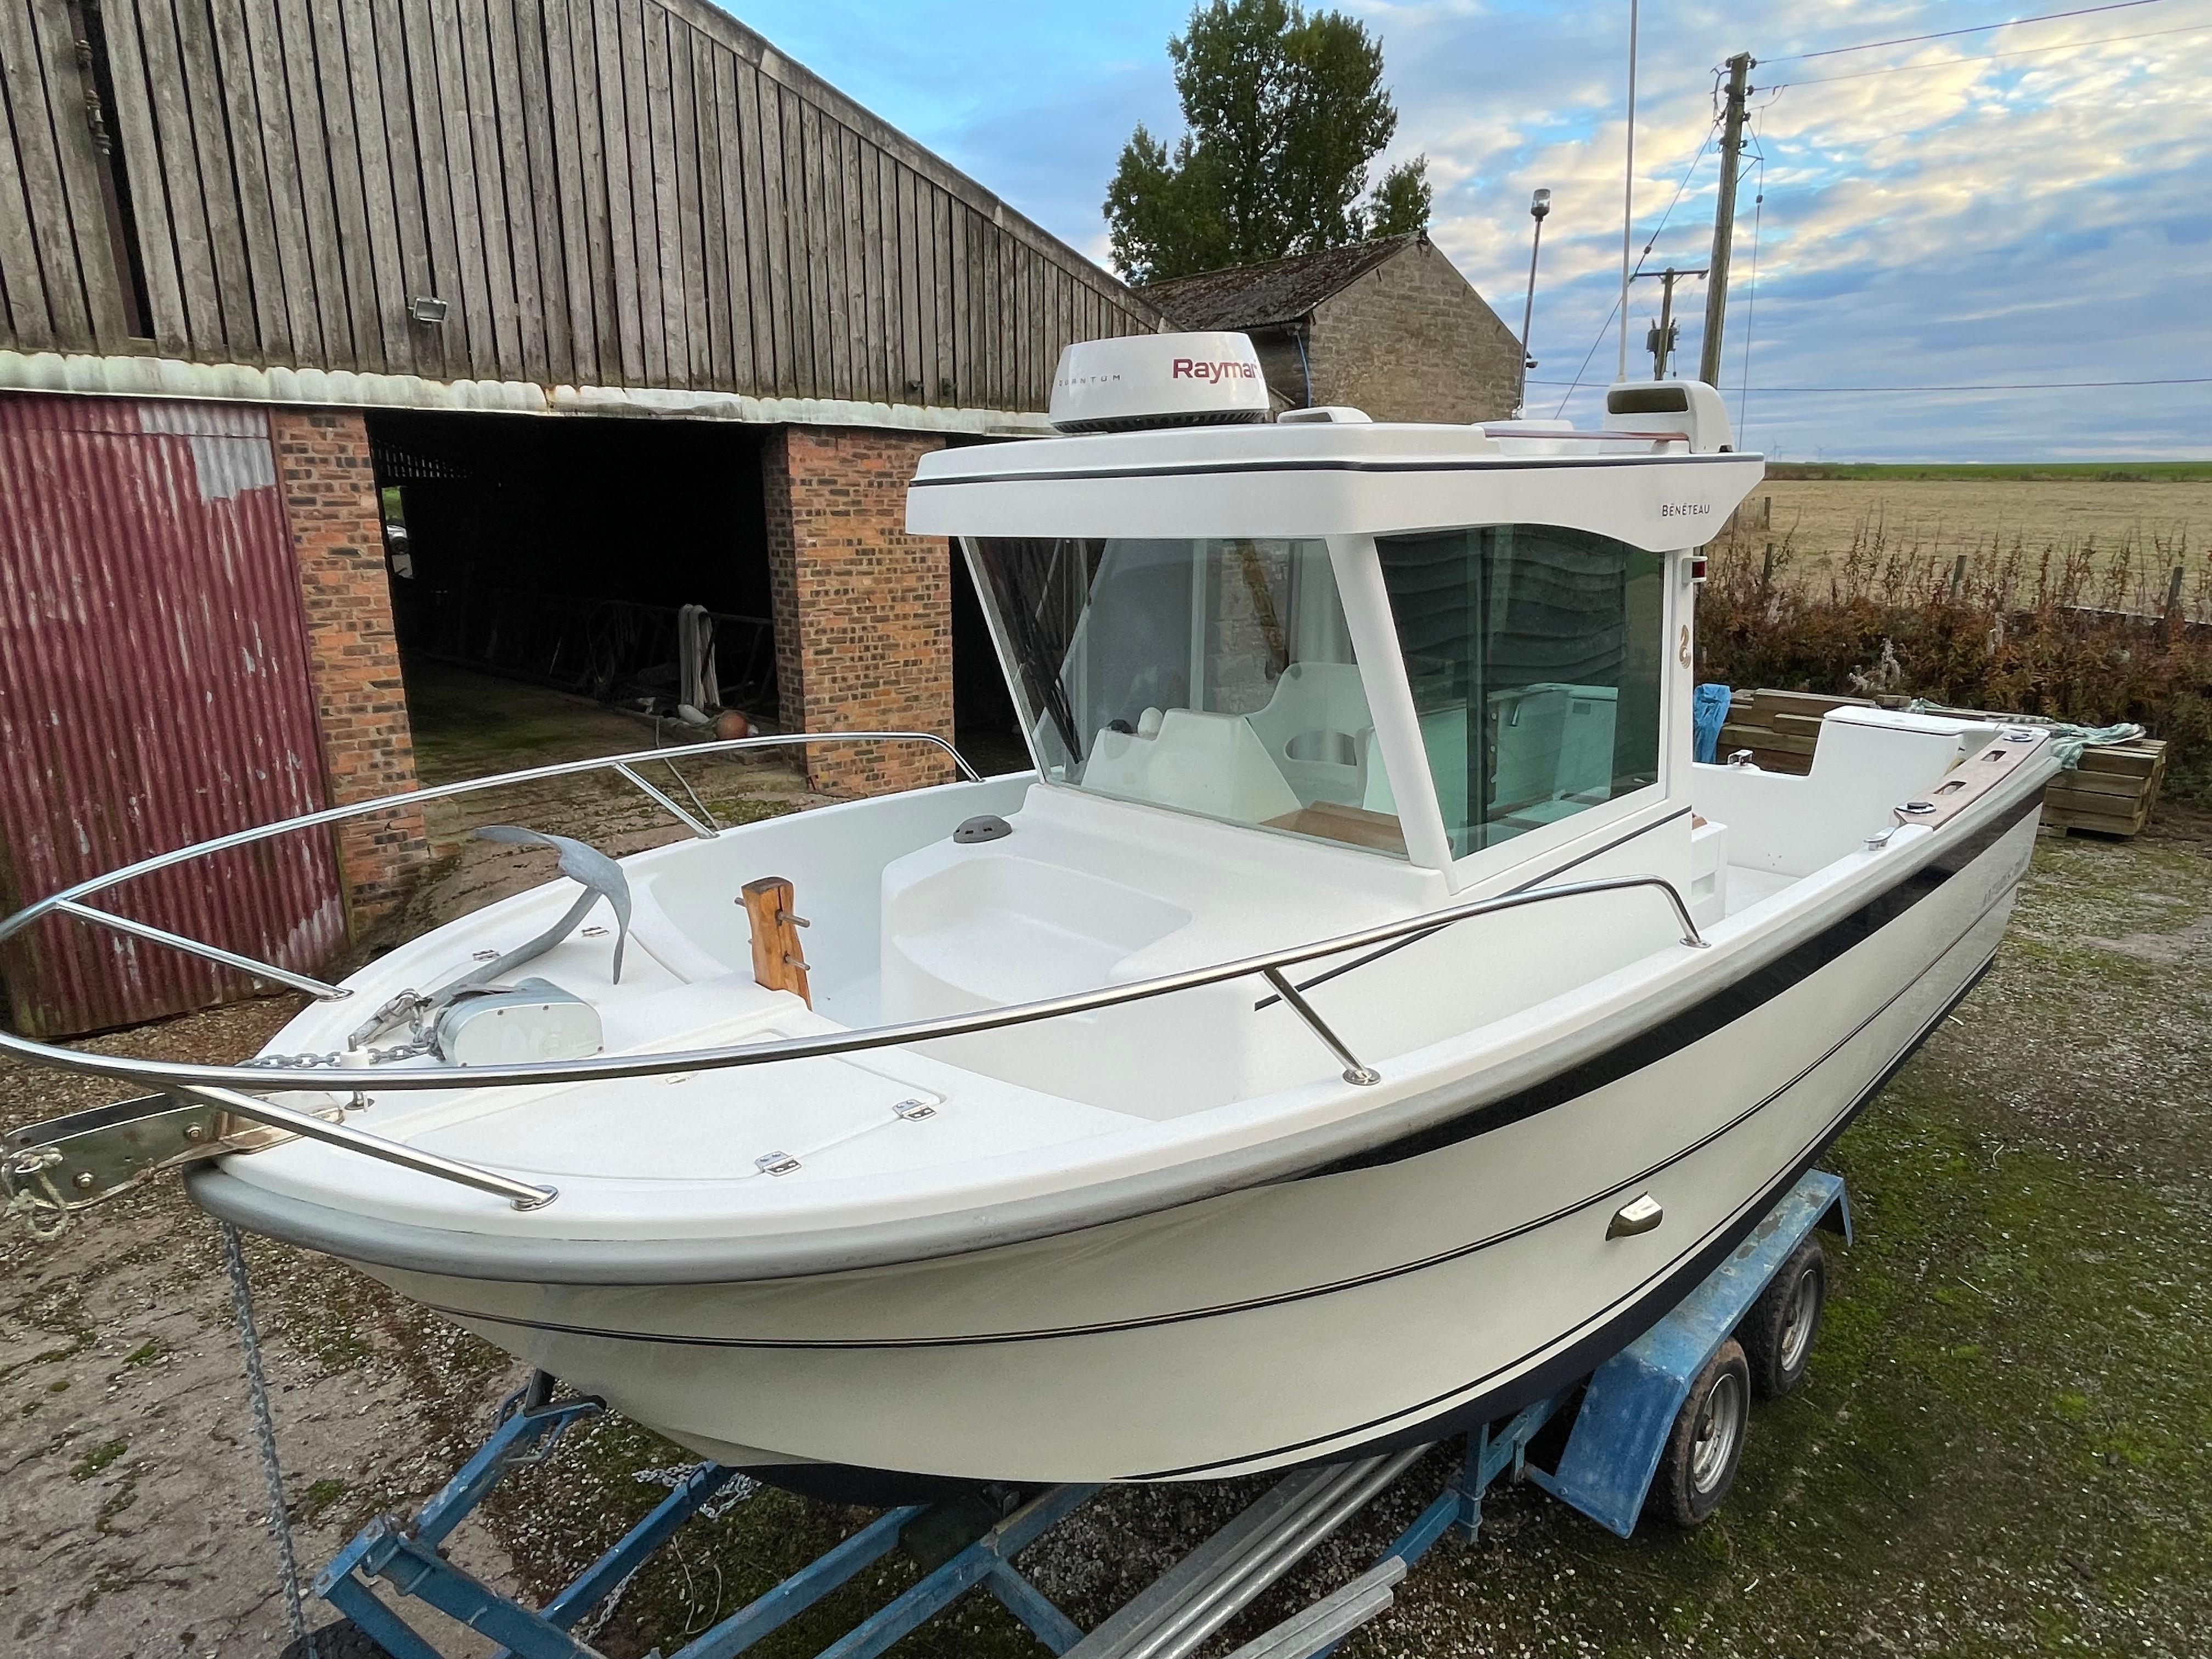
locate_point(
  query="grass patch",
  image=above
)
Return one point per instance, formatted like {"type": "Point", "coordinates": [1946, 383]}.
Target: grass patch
{"type": "Point", "coordinates": [333, 1336]}
{"type": "Point", "coordinates": [1998, 472]}
{"type": "Point", "coordinates": [2001, 1448]}
{"type": "Point", "coordinates": [98, 1459]}
{"type": "Point", "coordinates": [319, 1499]}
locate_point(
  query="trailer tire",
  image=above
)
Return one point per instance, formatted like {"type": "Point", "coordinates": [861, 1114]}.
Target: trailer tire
{"type": "Point", "coordinates": [344, 1640]}
{"type": "Point", "coordinates": [1698, 1464]}
{"type": "Point", "coordinates": [1777, 1333]}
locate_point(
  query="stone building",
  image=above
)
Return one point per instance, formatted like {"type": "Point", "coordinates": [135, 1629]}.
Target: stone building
{"type": "Point", "coordinates": [1387, 326]}
{"type": "Point", "coordinates": [334, 336]}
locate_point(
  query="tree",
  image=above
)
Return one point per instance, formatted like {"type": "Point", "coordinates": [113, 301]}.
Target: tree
{"type": "Point", "coordinates": [1162, 210]}
{"type": "Point", "coordinates": [1401, 202]}
{"type": "Point", "coordinates": [1286, 111]}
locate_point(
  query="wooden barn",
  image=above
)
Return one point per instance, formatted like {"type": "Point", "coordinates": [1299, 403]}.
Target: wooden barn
{"type": "Point", "coordinates": [510, 333]}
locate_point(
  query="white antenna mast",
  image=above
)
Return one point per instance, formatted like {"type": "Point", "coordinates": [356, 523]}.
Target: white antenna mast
{"type": "Point", "coordinates": [1628, 194]}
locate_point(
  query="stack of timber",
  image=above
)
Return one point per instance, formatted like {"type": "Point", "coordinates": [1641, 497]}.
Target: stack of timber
{"type": "Point", "coordinates": [2112, 790]}
{"type": "Point", "coordinates": [2112, 793]}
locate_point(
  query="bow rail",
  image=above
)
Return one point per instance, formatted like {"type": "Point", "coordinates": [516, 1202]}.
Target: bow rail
{"type": "Point", "coordinates": [65, 901]}
{"type": "Point", "coordinates": [239, 1089]}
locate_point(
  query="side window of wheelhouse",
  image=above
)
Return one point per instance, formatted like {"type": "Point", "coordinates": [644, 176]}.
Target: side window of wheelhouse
{"type": "Point", "coordinates": [1536, 654]}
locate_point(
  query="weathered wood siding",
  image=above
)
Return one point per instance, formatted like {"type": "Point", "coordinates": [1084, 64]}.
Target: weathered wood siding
{"type": "Point", "coordinates": [614, 192]}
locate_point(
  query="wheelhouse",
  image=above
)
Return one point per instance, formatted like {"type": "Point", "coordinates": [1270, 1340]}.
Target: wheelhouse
{"type": "Point", "coordinates": [1454, 647]}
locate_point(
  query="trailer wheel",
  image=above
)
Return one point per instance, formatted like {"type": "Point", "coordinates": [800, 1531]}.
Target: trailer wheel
{"type": "Point", "coordinates": [344, 1640]}
{"type": "Point", "coordinates": [1698, 1464]}
{"type": "Point", "coordinates": [1777, 1333]}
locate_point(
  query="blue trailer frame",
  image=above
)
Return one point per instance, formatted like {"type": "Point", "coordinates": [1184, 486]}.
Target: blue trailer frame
{"type": "Point", "coordinates": [1623, 1412]}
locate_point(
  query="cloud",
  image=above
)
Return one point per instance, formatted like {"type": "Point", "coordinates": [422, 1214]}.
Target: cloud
{"type": "Point", "coordinates": [2031, 217]}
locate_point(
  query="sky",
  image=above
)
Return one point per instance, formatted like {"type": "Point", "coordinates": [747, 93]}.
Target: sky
{"type": "Point", "coordinates": [2032, 203]}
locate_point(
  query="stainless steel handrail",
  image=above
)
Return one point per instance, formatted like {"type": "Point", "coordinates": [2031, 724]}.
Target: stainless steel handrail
{"type": "Point", "coordinates": [161, 1074]}
{"type": "Point", "coordinates": [12, 925]}
{"type": "Point", "coordinates": [700, 829]}
{"type": "Point", "coordinates": [146, 930]}
{"type": "Point", "coordinates": [521, 1193]}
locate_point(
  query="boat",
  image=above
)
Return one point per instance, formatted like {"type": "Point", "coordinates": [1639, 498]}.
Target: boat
{"type": "Point", "coordinates": [1367, 1016]}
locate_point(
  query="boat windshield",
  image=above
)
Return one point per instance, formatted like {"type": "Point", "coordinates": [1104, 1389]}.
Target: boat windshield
{"type": "Point", "coordinates": [1215, 677]}
{"type": "Point", "coordinates": [1536, 655]}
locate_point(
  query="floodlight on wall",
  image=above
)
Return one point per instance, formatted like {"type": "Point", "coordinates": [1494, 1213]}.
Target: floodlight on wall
{"type": "Point", "coordinates": [427, 308]}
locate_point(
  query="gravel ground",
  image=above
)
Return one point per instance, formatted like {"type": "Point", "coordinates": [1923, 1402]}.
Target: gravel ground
{"type": "Point", "coordinates": [2002, 1449]}
{"type": "Point", "coordinates": [135, 1515]}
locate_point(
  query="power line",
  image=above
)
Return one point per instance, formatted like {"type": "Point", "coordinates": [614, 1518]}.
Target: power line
{"type": "Point", "coordinates": [1990, 58]}
{"type": "Point", "coordinates": [2015, 385]}
{"type": "Point", "coordinates": [1640, 259]}
{"type": "Point", "coordinates": [1978, 28]}
{"type": "Point", "coordinates": [1751, 296]}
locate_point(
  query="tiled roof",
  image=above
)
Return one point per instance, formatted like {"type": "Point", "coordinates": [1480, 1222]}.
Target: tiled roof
{"type": "Point", "coordinates": [1265, 296]}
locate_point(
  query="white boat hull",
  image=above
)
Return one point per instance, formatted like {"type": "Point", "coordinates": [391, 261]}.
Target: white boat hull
{"type": "Point", "coordinates": [1433, 1284]}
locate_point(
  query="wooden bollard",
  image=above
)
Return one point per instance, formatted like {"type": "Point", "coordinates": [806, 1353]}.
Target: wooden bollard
{"type": "Point", "coordinates": [779, 959]}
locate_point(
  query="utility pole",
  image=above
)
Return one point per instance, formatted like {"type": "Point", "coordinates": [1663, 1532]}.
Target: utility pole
{"type": "Point", "coordinates": [1709, 355]}
{"type": "Point", "coordinates": [1659, 341]}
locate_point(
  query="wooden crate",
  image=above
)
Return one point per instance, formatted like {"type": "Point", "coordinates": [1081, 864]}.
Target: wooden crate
{"type": "Point", "coordinates": [2112, 793]}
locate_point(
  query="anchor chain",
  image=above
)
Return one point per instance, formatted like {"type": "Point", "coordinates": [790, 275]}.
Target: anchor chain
{"type": "Point", "coordinates": [409, 1004]}
{"type": "Point", "coordinates": [336, 1061]}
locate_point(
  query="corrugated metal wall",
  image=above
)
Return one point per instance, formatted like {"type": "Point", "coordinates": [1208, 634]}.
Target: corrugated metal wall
{"type": "Point", "coordinates": [154, 692]}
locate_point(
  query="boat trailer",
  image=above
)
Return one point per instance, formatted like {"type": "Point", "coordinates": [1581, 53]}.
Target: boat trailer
{"type": "Point", "coordinates": [1658, 1427]}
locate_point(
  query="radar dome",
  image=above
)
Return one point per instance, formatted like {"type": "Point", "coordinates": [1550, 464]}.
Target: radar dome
{"type": "Point", "coordinates": [1143, 380]}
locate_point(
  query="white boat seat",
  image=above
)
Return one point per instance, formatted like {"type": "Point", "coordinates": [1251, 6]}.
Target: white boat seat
{"type": "Point", "coordinates": [1198, 762]}
{"type": "Point", "coordinates": [1318, 731]}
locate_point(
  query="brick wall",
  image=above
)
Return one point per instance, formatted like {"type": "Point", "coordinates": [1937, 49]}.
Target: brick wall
{"type": "Point", "coordinates": [1413, 341]}
{"type": "Point", "coordinates": [863, 610]}
{"type": "Point", "coordinates": [329, 498]}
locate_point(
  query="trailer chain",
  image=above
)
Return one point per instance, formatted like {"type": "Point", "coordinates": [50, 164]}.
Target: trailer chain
{"type": "Point", "coordinates": [264, 1433]}
{"type": "Point", "coordinates": [588, 1632]}
{"type": "Point", "coordinates": [714, 1509]}
{"type": "Point", "coordinates": [33, 1198]}
{"type": "Point", "coordinates": [739, 1487]}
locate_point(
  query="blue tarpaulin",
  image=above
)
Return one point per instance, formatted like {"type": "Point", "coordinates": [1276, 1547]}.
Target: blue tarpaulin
{"type": "Point", "coordinates": [1708, 713]}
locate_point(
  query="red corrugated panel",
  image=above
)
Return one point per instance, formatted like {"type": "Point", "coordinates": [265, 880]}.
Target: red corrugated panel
{"type": "Point", "coordinates": [154, 692]}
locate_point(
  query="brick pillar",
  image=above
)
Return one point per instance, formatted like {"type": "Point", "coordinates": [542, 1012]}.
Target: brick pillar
{"type": "Point", "coordinates": [338, 536]}
{"type": "Point", "coordinates": [863, 610]}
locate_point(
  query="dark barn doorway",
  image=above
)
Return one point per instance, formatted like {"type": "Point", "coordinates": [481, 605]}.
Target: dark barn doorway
{"type": "Point", "coordinates": [564, 552]}
{"type": "Point", "coordinates": [984, 726]}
